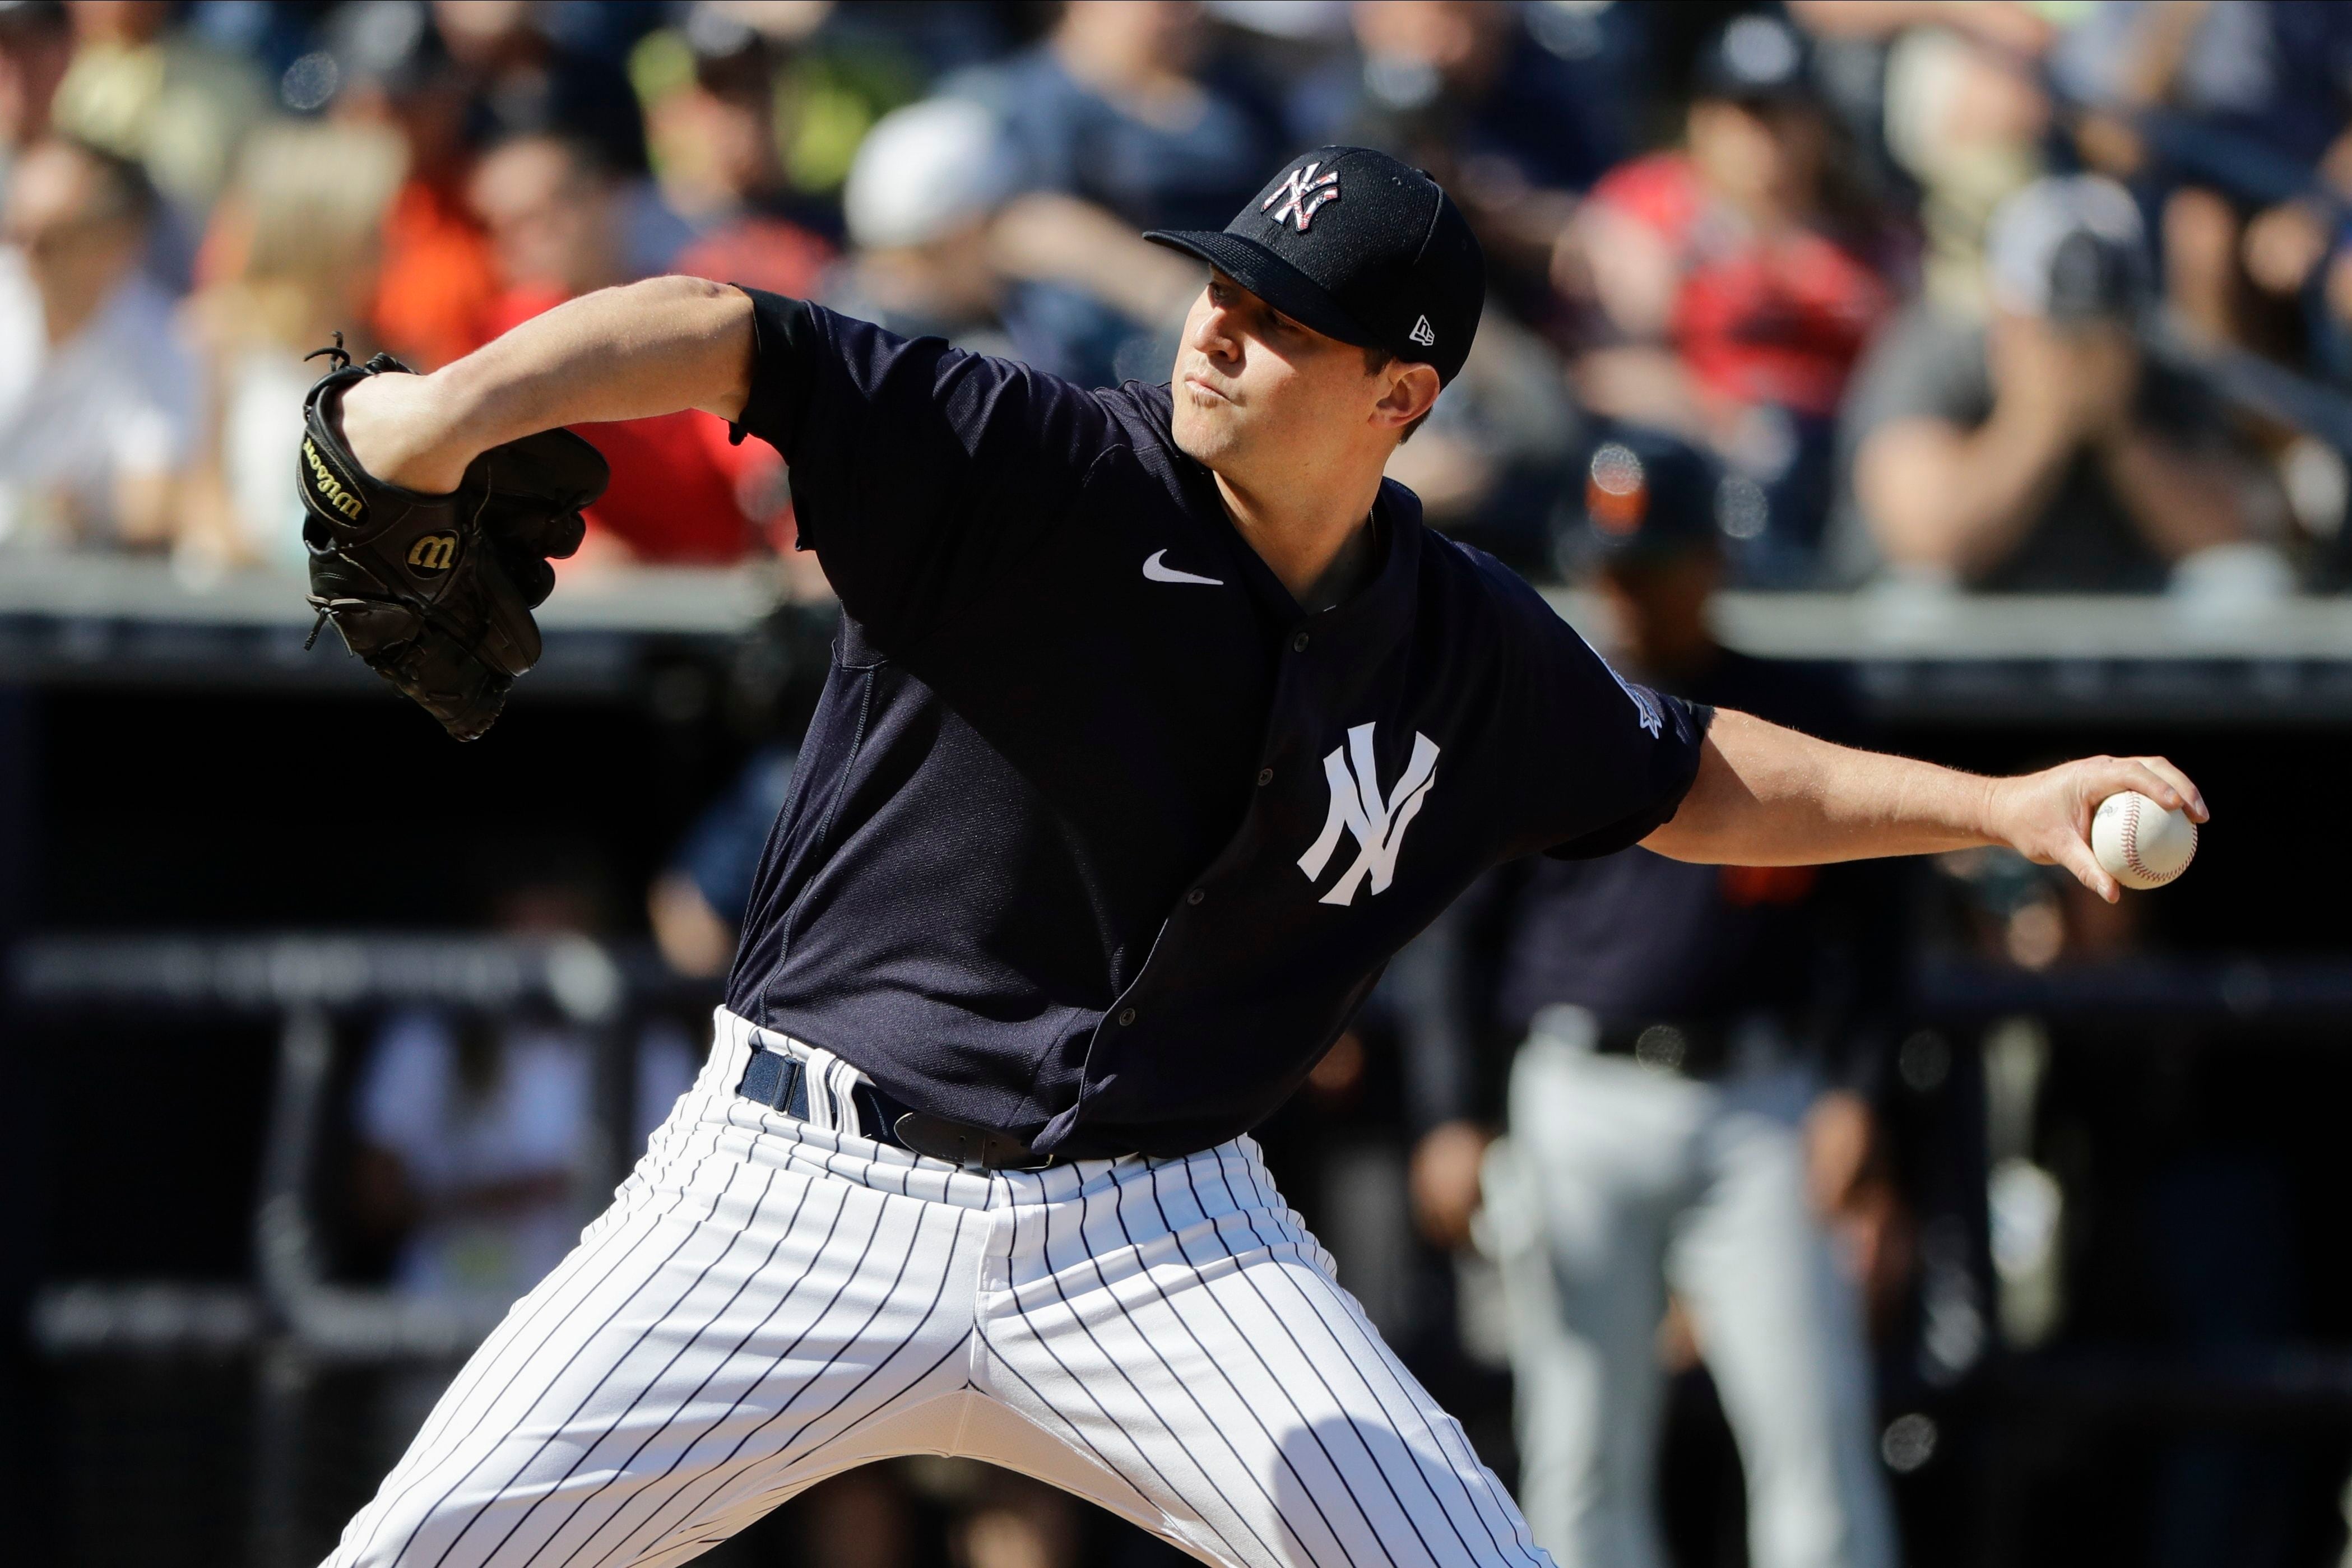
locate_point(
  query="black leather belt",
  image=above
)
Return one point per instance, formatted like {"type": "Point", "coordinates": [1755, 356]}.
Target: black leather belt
{"type": "Point", "coordinates": [781, 1083]}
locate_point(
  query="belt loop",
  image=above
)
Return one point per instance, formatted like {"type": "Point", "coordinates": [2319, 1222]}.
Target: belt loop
{"type": "Point", "coordinates": [776, 1081]}
{"type": "Point", "coordinates": [820, 1099]}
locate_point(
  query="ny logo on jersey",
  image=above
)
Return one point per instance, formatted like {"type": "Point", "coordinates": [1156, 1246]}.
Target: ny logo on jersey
{"type": "Point", "coordinates": [1302, 194]}
{"type": "Point", "coordinates": [1356, 806]}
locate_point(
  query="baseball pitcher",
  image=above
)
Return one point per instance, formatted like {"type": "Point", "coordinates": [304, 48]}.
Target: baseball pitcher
{"type": "Point", "coordinates": [1156, 723]}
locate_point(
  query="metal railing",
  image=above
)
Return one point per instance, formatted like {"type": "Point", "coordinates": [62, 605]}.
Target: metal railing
{"type": "Point", "coordinates": [303, 981]}
{"type": "Point", "coordinates": [100, 620]}
{"type": "Point", "coordinates": [295, 1321]}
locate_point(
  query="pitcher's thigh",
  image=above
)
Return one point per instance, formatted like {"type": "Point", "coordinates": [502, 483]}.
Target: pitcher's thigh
{"type": "Point", "coordinates": [704, 1353]}
{"type": "Point", "coordinates": [1244, 1396]}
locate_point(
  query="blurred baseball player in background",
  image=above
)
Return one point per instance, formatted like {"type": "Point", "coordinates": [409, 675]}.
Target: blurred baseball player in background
{"type": "Point", "coordinates": [1676, 1018]}
{"type": "Point", "coordinates": [1156, 724]}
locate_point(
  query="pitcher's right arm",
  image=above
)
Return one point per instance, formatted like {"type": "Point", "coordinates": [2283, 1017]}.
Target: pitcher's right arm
{"type": "Point", "coordinates": [631, 352]}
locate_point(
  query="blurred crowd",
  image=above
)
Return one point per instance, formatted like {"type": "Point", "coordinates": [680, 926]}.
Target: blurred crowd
{"type": "Point", "coordinates": [1995, 296]}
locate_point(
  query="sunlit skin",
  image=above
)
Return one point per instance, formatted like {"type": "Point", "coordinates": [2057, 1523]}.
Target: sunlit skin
{"type": "Point", "coordinates": [1295, 428]}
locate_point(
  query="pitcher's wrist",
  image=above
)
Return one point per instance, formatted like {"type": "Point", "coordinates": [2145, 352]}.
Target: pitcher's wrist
{"type": "Point", "coordinates": [1989, 804]}
{"type": "Point", "coordinates": [402, 431]}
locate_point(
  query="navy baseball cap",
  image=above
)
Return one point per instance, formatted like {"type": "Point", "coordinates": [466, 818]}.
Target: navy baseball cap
{"type": "Point", "coordinates": [1360, 247]}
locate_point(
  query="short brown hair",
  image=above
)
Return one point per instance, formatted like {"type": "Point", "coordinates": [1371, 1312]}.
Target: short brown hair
{"type": "Point", "coordinates": [1375, 360]}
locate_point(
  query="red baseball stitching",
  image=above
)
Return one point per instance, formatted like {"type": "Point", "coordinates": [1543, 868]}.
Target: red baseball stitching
{"type": "Point", "coordinates": [2131, 845]}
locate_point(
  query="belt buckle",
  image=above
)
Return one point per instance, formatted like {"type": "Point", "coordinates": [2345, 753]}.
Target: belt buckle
{"type": "Point", "coordinates": [962, 1144]}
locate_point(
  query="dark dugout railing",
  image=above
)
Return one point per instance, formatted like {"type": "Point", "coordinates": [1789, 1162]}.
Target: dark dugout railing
{"type": "Point", "coordinates": [295, 1319]}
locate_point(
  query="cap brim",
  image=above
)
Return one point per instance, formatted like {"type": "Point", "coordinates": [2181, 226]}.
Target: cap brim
{"type": "Point", "coordinates": [1271, 278]}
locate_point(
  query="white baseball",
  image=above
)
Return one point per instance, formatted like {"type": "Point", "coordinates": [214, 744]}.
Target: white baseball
{"type": "Point", "coordinates": [2141, 844]}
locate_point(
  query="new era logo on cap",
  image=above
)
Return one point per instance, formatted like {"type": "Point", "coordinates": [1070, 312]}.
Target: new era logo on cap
{"type": "Point", "coordinates": [1360, 247]}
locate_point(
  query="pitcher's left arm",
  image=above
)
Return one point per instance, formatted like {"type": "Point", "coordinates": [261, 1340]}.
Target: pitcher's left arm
{"type": "Point", "coordinates": [1769, 796]}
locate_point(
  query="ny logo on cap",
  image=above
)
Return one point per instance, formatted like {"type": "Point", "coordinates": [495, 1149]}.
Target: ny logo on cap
{"type": "Point", "coordinates": [1301, 195]}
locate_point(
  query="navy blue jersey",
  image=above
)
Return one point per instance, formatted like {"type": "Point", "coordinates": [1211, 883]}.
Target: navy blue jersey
{"type": "Point", "coordinates": [1096, 838]}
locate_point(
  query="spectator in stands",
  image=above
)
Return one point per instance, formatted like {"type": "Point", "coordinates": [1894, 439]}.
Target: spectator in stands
{"type": "Point", "coordinates": [1734, 282]}
{"type": "Point", "coordinates": [292, 259]}
{"type": "Point", "coordinates": [160, 95]}
{"type": "Point", "coordinates": [723, 163]}
{"type": "Point", "coordinates": [548, 205]}
{"type": "Point", "coordinates": [524, 78]}
{"type": "Point", "coordinates": [1120, 122]}
{"type": "Point", "coordinates": [1963, 113]}
{"type": "Point", "coordinates": [555, 218]}
{"type": "Point", "coordinates": [437, 277]}
{"type": "Point", "coordinates": [97, 396]}
{"type": "Point", "coordinates": [1695, 1047]}
{"type": "Point", "coordinates": [476, 1142]}
{"type": "Point", "coordinates": [2231, 121]}
{"type": "Point", "coordinates": [1123, 106]}
{"type": "Point", "coordinates": [926, 183]}
{"type": "Point", "coordinates": [477, 1136]}
{"type": "Point", "coordinates": [1516, 109]}
{"type": "Point", "coordinates": [36, 45]}
{"type": "Point", "coordinates": [2049, 448]}
{"type": "Point", "coordinates": [524, 81]}
{"type": "Point", "coordinates": [833, 71]}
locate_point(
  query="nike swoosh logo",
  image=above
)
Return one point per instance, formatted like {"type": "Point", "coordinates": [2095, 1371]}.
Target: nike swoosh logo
{"type": "Point", "coordinates": [1158, 573]}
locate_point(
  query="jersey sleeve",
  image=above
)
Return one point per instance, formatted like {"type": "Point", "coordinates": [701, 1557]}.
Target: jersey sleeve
{"type": "Point", "coordinates": [918, 471]}
{"type": "Point", "coordinates": [1607, 761]}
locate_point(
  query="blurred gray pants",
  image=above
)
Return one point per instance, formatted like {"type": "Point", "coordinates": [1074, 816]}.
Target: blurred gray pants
{"type": "Point", "coordinates": [1617, 1182]}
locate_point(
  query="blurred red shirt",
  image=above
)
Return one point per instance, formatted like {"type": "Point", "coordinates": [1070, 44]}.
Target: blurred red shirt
{"type": "Point", "coordinates": [437, 276]}
{"type": "Point", "coordinates": [681, 495]}
{"type": "Point", "coordinates": [1775, 319]}
{"type": "Point", "coordinates": [759, 252]}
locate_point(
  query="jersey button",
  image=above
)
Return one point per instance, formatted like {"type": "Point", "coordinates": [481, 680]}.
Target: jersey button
{"type": "Point", "coordinates": [1298, 643]}
{"type": "Point", "coordinates": [1196, 896]}
{"type": "Point", "coordinates": [1265, 777]}
{"type": "Point", "coordinates": [1127, 1018]}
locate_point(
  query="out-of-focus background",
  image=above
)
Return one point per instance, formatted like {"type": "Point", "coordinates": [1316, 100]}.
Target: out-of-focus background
{"type": "Point", "coordinates": [2014, 343]}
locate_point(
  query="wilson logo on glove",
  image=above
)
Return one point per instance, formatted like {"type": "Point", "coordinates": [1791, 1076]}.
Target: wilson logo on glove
{"type": "Point", "coordinates": [433, 553]}
{"type": "Point", "coordinates": [329, 490]}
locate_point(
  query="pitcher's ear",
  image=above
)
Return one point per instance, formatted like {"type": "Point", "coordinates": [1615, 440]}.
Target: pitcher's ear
{"type": "Point", "coordinates": [1412, 393]}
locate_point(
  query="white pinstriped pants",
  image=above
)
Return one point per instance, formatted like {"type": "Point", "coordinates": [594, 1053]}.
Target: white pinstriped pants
{"type": "Point", "coordinates": [770, 1301]}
